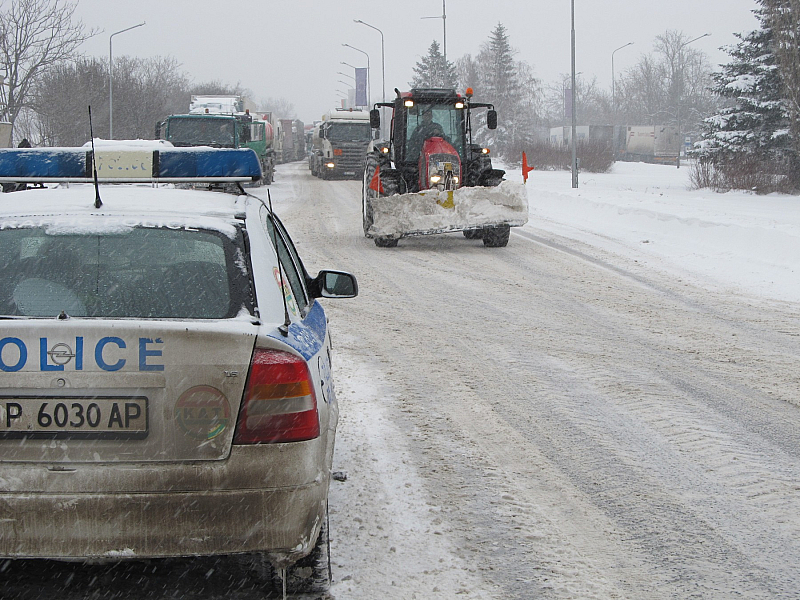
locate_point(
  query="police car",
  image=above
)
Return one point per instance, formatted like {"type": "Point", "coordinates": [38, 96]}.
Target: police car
{"type": "Point", "coordinates": [165, 366]}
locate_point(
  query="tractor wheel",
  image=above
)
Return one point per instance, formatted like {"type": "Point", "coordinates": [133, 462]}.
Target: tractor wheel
{"type": "Point", "coordinates": [386, 242]}
{"type": "Point", "coordinates": [496, 237]}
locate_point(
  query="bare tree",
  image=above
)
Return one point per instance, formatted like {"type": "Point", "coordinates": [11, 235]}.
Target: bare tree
{"type": "Point", "coordinates": [145, 91]}
{"type": "Point", "coordinates": [281, 108]}
{"type": "Point", "coordinates": [34, 35]}
{"type": "Point", "coordinates": [669, 85]}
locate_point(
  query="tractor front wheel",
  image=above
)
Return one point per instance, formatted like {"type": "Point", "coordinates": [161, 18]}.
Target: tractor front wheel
{"type": "Point", "coordinates": [496, 237]}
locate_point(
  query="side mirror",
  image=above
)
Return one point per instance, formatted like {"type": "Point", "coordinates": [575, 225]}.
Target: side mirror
{"type": "Point", "coordinates": [491, 119]}
{"type": "Point", "coordinates": [320, 133]}
{"type": "Point", "coordinates": [375, 118]}
{"type": "Point", "coordinates": [158, 130]}
{"type": "Point", "coordinates": [334, 284]}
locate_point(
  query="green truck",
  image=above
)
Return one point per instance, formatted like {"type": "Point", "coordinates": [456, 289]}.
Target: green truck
{"type": "Point", "coordinates": [222, 122]}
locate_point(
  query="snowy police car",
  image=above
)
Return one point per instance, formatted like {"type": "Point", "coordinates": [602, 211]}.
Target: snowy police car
{"type": "Point", "coordinates": [165, 367]}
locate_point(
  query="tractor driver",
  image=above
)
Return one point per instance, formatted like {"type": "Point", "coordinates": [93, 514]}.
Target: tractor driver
{"type": "Point", "coordinates": [427, 128]}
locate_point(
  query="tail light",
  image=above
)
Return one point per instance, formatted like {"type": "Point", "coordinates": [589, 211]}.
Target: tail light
{"type": "Point", "coordinates": [279, 403]}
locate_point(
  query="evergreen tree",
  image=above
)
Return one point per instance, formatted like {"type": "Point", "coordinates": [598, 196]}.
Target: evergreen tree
{"type": "Point", "coordinates": [511, 86]}
{"type": "Point", "coordinates": [782, 18]}
{"type": "Point", "coordinates": [432, 71]}
{"type": "Point", "coordinates": [755, 120]}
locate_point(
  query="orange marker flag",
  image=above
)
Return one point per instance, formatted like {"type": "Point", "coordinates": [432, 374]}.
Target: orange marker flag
{"type": "Point", "coordinates": [375, 183]}
{"type": "Point", "coordinates": [525, 168]}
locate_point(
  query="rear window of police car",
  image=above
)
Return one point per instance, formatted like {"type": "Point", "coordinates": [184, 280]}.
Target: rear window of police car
{"type": "Point", "coordinates": [140, 272]}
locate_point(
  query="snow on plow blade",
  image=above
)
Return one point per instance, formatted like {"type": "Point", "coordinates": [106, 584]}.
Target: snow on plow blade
{"type": "Point", "coordinates": [432, 211]}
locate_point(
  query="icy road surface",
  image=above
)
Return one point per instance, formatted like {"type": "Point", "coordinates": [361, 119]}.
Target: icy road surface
{"type": "Point", "coordinates": [554, 419]}
{"type": "Point", "coordinates": [608, 408]}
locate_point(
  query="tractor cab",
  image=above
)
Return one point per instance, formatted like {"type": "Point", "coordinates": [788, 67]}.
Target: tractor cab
{"type": "Point", "coordinates": [431, 138]}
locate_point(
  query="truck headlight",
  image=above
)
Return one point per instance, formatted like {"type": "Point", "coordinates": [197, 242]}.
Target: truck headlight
{"type": "Point", "coordinates": [330, 165]}
{"type": "Point", "coordinates": [436, 178]}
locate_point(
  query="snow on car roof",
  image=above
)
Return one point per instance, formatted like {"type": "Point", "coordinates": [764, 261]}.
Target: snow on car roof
{"type": "Point", "coordinates": [71, 209]}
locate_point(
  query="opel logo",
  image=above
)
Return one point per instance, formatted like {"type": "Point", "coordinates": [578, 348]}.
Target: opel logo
{"type": "Point", "coordinates": [60, 354]}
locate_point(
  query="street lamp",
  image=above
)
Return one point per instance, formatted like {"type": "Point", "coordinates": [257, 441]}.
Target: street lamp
{"type": "Point", "coordinates": [111, 79]}
{"type": "Point", "coordinates": [345, 75]}
{"type": "Point", "coordinates": [383, 70]}
{"type": "Point", "coordinates": [680, 95]}
{"type": "Point", "coordinates": [443, 17]}
{"type": "Point", "coordinates": [574, 118]}
{"type": "Point", "coordinates": [614, 83]}
{"type": "Point", "coordinates": [369, 87]}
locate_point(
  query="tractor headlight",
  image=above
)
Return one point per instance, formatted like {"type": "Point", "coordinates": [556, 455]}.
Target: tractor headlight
{"type": "Point", "coordinates": [436, 178]}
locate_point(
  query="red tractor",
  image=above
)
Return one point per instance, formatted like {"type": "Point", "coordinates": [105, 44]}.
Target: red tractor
{"type": "Point", "coordinates": [424, 179]}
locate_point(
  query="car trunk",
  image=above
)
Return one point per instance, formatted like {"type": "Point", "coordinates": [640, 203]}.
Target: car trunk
{"type": "Point", "coordinates": [113, 390]}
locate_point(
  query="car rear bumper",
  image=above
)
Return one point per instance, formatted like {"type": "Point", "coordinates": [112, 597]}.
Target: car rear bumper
{"type": "Point", "coordinates": [280, 514]}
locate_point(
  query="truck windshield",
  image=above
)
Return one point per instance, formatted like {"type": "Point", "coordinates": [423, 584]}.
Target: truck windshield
{"type": "Point", "coordinates": [349, 132]}
{"type": "Point", "coordinates": [202, 131]}
{"type": "Point", "coordinates": [434, 120]}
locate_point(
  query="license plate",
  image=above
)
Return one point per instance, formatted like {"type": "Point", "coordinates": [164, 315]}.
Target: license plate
{"type": "Point", "coordinates": [77, 417]}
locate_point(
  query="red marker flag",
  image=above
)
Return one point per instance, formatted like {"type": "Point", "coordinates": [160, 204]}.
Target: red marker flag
{"type": "Point", "coordinates": [375, 183]}
{"type": "Point", "coordinates": [525, 168]}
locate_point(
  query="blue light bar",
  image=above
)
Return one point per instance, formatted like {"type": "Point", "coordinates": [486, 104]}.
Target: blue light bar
{"type": "Point", "coordinates": [129, 165]}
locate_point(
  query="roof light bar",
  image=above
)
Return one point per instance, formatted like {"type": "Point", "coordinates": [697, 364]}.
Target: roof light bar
{"type": "Point", "coordinates": [166, 165]}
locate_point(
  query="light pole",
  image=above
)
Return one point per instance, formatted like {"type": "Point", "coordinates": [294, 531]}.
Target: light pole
{"type": "Point", "coordinates": [111, 79]}
{"type": "Point", "coordinates": [345, 75]}
{"type": "Point", "coordinates": [383, 57]}
{"type": "Point", "coordinates": [443, 17]}
{"type": "Point", "coordinates": [614, 83]}
{"type": "Point", "coordinates": [574, 118]}
{"type": "Point", "coordinates": [369, 87]}
{"type": "Point", "coordinates": [680, 95]}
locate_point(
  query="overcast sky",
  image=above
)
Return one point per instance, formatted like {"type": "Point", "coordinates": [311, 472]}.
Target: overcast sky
{"type": "Point", "coordinates": [294, 49]}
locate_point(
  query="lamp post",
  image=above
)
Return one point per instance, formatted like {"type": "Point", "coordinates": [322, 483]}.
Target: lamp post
{"type": "Point", "coordinates": [383, 57]}
{"type": "Point", "coordinates": [345, 75]}
{"type": "Point", "coordinates": [574, 118]}
{"type": "Point", "coordinates": [443, 17]}
{"type": "Point", "coordinates": [111, 79]}
{"type": "Point", "coordinates": [614, 83]}
{"type": "Point", "coordinates": [369, 87]}
{"type": "Point", "coordinates": [680, 95]}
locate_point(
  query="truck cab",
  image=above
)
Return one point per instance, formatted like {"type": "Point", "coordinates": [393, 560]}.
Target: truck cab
{"type": "Point", "coordinates": [339, 143]}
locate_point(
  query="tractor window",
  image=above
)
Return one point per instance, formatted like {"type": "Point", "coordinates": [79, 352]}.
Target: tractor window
{"type": "Point", "coordinates": [438, 120]}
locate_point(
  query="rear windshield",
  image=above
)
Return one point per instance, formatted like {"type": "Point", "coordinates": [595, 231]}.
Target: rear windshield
{"type": "Point", "coordinates": [142, 273]}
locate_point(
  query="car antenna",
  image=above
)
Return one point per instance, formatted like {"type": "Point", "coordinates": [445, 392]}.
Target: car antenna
{"type": "Point", "coordinates": [97, 202]}
{"type": "Point", "coordinates": [284, 329]}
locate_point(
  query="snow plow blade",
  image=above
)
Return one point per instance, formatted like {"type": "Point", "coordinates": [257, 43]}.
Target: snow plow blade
{"type": "Point", "coordinates": [432, 211]}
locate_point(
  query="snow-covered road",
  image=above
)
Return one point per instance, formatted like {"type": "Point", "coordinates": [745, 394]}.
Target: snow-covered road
{"type": "Point", "coordinates": [578, 415]}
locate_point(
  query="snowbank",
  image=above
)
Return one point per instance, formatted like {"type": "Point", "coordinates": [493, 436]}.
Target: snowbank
{"type": "Point", "coordinates": [738, 241]}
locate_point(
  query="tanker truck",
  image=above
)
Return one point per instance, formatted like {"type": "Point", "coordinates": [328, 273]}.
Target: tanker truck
{"type": "Point", "coordinates": [223, 122]}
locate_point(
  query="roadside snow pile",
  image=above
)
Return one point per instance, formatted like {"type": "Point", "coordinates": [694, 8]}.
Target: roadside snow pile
{"type": "Point", "coordinates": [649, 213]}
{"type": "Point", "coordinates": [438, 212]}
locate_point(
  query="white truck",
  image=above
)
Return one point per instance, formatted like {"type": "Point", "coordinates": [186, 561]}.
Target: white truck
{"type": "Point", "coordinates": [339, 144]}
{"type": "Point", "coordinates": [651, 143]}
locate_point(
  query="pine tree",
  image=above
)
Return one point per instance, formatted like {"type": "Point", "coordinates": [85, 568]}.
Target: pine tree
{"type": "Point", "coordinates": [756, 121]}
{"type": "Point", "coordinates": [782, 17]}
{"type": "Point", "coordinates": [432, 71]}
{"type": "Point", "coordinates": [511, 86]}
